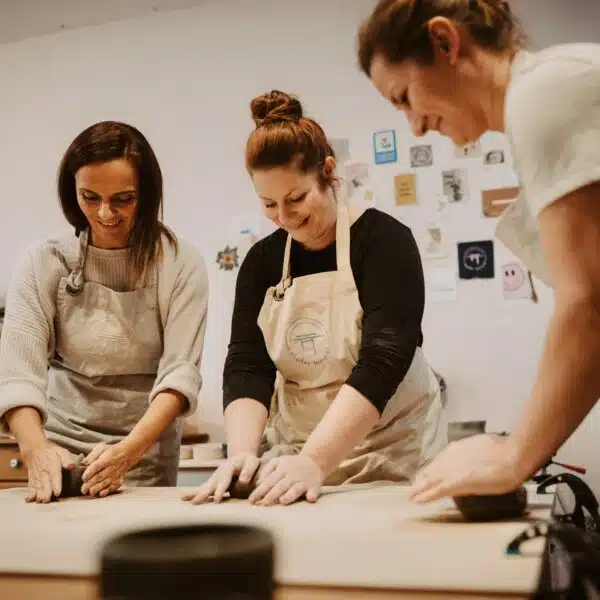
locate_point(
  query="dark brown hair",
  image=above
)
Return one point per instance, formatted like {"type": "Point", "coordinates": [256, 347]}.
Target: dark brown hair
{"type": "Point", "coordinates": [284, 136]}
{"type": "Point", "coordinates": [397, 29]}
{"type": "Point", "coordinates": [111, 140]}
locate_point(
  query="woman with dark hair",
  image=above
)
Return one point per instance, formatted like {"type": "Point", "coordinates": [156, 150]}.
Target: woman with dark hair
{"type": "Point", "coordinates": [104, 330]}
{"type": "Point", "coordinates": [460, 67]}
{"type": "Point", "coordinates": [325, 363]}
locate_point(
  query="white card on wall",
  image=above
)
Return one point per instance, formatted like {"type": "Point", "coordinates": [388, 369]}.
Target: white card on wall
{"type": "Point", "coordinates": [433, 243]}
{"type": "Point", "coordinates": [455, 185]}
{"type": "Point", "coordinates": [494, 157]}
{"type": "Point", "coordinates": [440, 283]}
{"type": "Point", "coordinates": [341, 147]}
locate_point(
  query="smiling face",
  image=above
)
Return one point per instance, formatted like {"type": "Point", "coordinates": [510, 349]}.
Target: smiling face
{"type": "Point", "coordinates": [437, 97]}
{"type": "Point", "coordinates": [107, 195]}
{"type": "Point", "coordinates": [448, 93]}
{"type": "Point", "coordinates": [297, 203]}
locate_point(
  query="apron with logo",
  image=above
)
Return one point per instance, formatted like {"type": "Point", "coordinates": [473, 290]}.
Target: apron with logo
{"type": "Point", "coordinates": [312, 327]}
{"type": "Point", "coordinates": [108, 346]}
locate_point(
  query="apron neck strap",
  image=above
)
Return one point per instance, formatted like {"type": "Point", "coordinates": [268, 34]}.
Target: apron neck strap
{"type": "Point", "coordinates": [75, 280]}
{"type": "Point", "coordinates": [342, 236]}
{"type": "Point", "coordinates": [342, 231]}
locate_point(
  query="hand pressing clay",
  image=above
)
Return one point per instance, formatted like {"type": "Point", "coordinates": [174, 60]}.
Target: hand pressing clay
{"type": "Point", "coordinates": [493, 507]}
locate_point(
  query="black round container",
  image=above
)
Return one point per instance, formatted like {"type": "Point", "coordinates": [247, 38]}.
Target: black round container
{"type": "Point", "coordinates": [195, 562]}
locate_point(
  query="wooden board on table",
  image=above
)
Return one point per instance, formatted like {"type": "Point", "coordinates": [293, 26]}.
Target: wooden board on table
{"type": "Point", "coordinates": [353, 536]}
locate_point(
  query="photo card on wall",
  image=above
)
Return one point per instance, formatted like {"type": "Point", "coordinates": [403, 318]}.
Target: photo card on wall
{"type": "Point", "coordinates": [384, 147]}
{"type": "Point", "coordinates": [454, 185]}
{"type": "Point", "coordinates": [421, 156]}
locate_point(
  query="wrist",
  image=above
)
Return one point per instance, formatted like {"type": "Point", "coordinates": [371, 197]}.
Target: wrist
{"type": "Point", "coordinates": [133, 450]}
{"type": "Point", "coordinates": [31, 446]}
{"type": "Point", "coordinates": [321, 461]}
{"type": "Point", "coordinates": [519, 459]}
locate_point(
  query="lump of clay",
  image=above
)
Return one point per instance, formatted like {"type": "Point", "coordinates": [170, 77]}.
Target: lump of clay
{"type": "Point", "coordinates": [496, 507]}
{"type": "Point", "coordinates": [72, 480]}
{"type": "Point", "coordinates": [242, 491]}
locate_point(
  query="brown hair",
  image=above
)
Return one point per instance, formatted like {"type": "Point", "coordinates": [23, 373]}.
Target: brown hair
{"type": "Point", "coordinates": [397, 29]}
{"type": "Point", "coordinates": [110, 140]}
{"type": "Point", "coordinates": [284, 136]}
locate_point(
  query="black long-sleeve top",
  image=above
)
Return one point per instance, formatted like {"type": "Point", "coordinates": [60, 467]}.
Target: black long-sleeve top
{"type": "Point", "coordinates": [388, 272]}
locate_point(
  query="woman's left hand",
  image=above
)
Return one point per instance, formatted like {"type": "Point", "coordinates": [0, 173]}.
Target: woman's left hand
{"type": "Point", "coordinates": [107, 465]}
{"type": "Point", "coordinates": [285, 479]}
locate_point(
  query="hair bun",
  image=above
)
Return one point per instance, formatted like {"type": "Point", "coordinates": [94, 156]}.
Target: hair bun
{"type": "Point", "coordinates": [274, 107]}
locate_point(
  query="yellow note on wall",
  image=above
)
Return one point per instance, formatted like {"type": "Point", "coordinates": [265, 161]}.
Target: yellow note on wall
{"type": "Point", "coordinates": [406, 192]}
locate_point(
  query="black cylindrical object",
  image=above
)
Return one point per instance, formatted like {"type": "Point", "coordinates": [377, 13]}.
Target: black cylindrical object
{"type": "Point", "coordinates": [190, 562]}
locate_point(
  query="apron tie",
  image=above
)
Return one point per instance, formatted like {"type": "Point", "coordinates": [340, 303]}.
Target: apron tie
{"type": "Point", "coordinates": [75, 280]}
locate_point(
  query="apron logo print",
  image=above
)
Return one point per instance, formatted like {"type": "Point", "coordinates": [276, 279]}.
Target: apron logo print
{"type": "Point", "coordinates": [308, 342]}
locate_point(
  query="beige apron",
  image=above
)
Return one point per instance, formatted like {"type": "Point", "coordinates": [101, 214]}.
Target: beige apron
{"type": "Point", "coordinates": [312, 327]}
{"type": "Point", "coordinates": [108, 346]}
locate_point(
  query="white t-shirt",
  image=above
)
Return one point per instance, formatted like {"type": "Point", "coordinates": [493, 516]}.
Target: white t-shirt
{"type": "Point", "coordinates": [552, 119]}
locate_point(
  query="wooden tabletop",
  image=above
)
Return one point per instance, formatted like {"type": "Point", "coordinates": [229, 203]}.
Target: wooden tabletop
{"type": "Point", "coordinates": [369, 539]}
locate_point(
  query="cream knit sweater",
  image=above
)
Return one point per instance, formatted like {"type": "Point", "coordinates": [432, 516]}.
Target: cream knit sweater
{"type": "Point", "coordinates": [28, 338]}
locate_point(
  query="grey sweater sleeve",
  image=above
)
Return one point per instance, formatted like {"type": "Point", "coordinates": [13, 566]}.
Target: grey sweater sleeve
{"type": "Point", "coordinates": [27, 339]}
{"type": "Point", "coordinates": [183, 297]}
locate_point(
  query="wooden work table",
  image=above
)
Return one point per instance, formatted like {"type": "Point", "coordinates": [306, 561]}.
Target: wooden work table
{"type": "Point", "coordinates": [356, 542]}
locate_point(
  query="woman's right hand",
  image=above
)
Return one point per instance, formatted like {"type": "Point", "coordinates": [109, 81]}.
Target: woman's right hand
{"type": "Point", "coordinates": [244, 465]}
{"type": "Point", "coordinates": [44, 464]}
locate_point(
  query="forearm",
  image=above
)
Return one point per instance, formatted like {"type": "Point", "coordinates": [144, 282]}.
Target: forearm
{"type": "Point", "coordinates": [567, 386]}
{"type": "Point", "coordinates": [245, 421]}
{"type": "Point", "coordinates": [163, 410]}
{"type": "Point", "coordinates": [25, 424]}
{"type": "Point", "coordinates": [345, 424]}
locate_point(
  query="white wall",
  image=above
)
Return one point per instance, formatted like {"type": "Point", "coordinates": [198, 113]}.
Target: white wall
{"type": "Point", "coordinates": [185, 79]}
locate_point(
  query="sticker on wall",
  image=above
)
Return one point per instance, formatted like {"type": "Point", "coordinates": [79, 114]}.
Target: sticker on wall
{"type": "Point", "coordinates": [227, 259]}
{"type": "Point", "coordinates": [341, 147]}
{"type": "Point", "coordinates": [356, 173]}
{"type": "Point", "coordinates": [515, 283]}
{"type": "Point", "coordinates": [433, 243]}
{"type": "Point", "coordinates": [476, 260]}
{"type": "Point", "coordinates": [496, 200]}
{"type": "Point", "coordinates": [493, 157]}
{"type": "Point", "coordinates": [440, 283]}
{"type": "Point", "coordinates": [454, 185]}
{"type": "Point", "coordinates": [471, 150]}
{"type": "Point", "coordinates": [421, 156]}
{"type": "Point", "coordinates": [406, 192]}
{"type": "Point", "coordinates": [384, 146]}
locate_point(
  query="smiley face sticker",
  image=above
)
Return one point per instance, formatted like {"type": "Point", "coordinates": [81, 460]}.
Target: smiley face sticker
{"type": "Point", "coordinates": [515, 284]}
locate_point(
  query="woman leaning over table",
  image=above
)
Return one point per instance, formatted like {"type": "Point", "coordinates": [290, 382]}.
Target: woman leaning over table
{"type": "Point", "coordinates": [460, 67]}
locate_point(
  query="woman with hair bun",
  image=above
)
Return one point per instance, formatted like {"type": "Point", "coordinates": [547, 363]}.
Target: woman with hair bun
{"type": "Point", "coordinates": [460, 67]}
{"type": "Point", "coordinates": [325, 365]}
